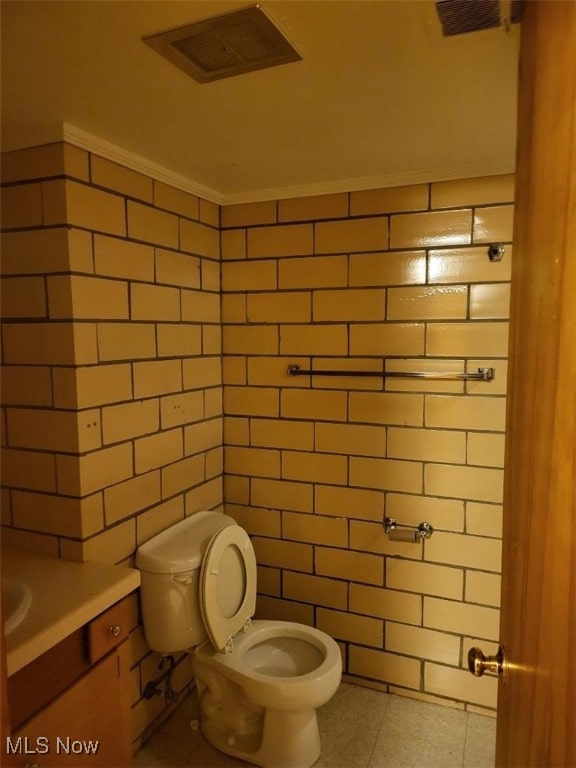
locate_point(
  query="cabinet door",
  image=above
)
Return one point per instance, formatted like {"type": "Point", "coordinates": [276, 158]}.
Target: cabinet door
{"type": "Point", "coordinates": [85, 726]}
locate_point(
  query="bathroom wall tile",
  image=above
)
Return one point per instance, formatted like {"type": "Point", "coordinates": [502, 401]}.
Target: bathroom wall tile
{"type": "Point", "coordinates": [202, 372]}
{"type": "Point", "coordinates": [236, 490]}
{"type": "Point", "coordinates": [481, 339]}
{"type": "Point", "coordinates": [266, 308]}
{"type": "Point", "coordinates": [126, 341]}
{"type": "Point", "coordinates": [388, 667]}
{"type": "Point", "coordinates": [202, 436]}
{"type": "Point", "coordinates": [386, 408]}
{"type": "Point", "coordinates": [467, 265]}
{"type": "Point", "coordinates": [154, 302]}
{"type": "Point", "coordinates": [209, 213]}
{"type": "Point", "coordinates": [314, 589]}
{"type": "Point", "coordinates": [257, 522]}
{"type": "Point", "coordinates": [465, 550]}
{"type": "Point", "coordinates": [313, 339]}
{"type": "Point", "coordinates": [485, 449]}
{"type": "Point", "coordinates": [126, 498]}
{"type": "Point", "coordinates": [474, 483]}
{"type": "Point", "coordinates": [200, 306]}
{"type": "Point", "coordinates": [273, 433]}
{"type": "Point", "coordinates": [111, 546]}
{"type": "Point", "coordinates": [425, 230]}
{"type": "Point", "coordinates": [314, 467]}
{"type": "Point", "coordinates": [279, 553]}
{"type": "Point", "coordinates": [315, 529]}
{"type": "Point", "coordinates": [453, 412]}
{"type": "Point", "coordinates": [349, 305]}
{"type": "Point", "coordinates": [157, 377]}
{"type": "Point", "coordinates": [180, 475]}
{"type": "Point", "coordinates": [354, 503]}
{"type": "Point", "coordinates": [386, 474]}
{"type": "Point", "coordinates": [158, 450]}
{"type": "Point", "coordinates": [61, 516]}
{"type": "Point", "coordinates": [272, 371]}
{"type": "Point", "coordinates": [350, 627]}
{"type": "Point", "coordinates": [176, 200]}
{"type": "Point", "coordinates": [236, 430]}
{"type": "Point", "coordinates": [210, 275]}
{"type": "Point", "coordinates": [261, 462]}
{"type": "Point", "coordinates": [352, 235]}
{"type": "Point", "coordinates": [82, 475]}
{"type": "Point", "coordinates": [233, 307]}
{"type": "Point", "coordinates": [285, 240]}
{"type": "Point", "coordinates": [28, 469]}
{"type": "Point", "coordinates": [425, 578]}
{"type": "Point", "coordinates": [29, 385]}
{"type": "Point", "coordinates": [33, 163]}
{"type": "Point", "coordinates": [313, 272]}
{"type": "Point", "coordinates": [461, 618]}
{"type": "Point", "coordinates": [250, 340]}
{"type": "Point", "coordinates": [382, 269]}
{"type": "Point", "coordinates": [493, 224]}
{"type": "Point", "coordinates": [384, 340]}
{"type": "Point", "coordinates": [207, 495]}
{"type": "Point", "coordinates": [394, 606]}
{"type": "Point", "coordinates": [273, 609]}
{"type": "Point", "coordinates": [427, 303]}
{"type": "Point", "coordinates": [444, 514]}
{"type": "Point", "coordinates": [484, 519]}
{"type": "Point", "coordinates": [483, 190]}
{"type": "Point", "coordinates": [34, 251]}
{"type": "Point", "coordinates": [178, 340]}
{"type": "Point", "coordinates": [282, 494]}
{"type": "Point", "coordinates": [389, 200]}
{"type": "Point", "coordinates": [489, 302]}
{"type": "Point", "coordinates": [151, 225]}
{"type": "Point", "coordinates": [428, 365]}
{"type": "Point", "coordinates": [179, 269]}
{"type": "Point", "coordinates": [90, 386]}
{"type": "Point", "coordinates": [251, 401]}
{"type": "Point", "coordinates": [213, 402]}
{"type": "Point", "coordinates": [199, 239]}
{"type": "Point", "coordinates": [460, 685]}
{"type": "Point", "coordinates": [21, 206]}
{"type": "Point", "coordinates": [114, 257]}
{"type": "Point", "coordinates": [87, 207]}
{"type": "Point", "coordinates": [233, 244]}
{"type": "Point", "coordinates": [49, 344]}
{"type": "Point", "coordinates": [269, 581]}
{"type": "Point", "coordinates": [312, 208]}
{"type": "Point", "coordinates": [87, 298]}
{"type": "Point", "coordinates": [247, 214]}
{"type": "Point", "coordinates": [111, 175]}
{"type": "Point", "coordinates": [211, 339]}
{"type": "Point", "coordinates": [422, 643]}
{"type": "Point", "coordinates": [313, 404]}
{"type": "Point", "coordinates": [182, 408]}
{"type": "Point", "coordinates": [351, 439]}
{"type": "Point", "coordinates": [483, 588]}
{"type": "Point", "coordinates": [348, 565]}
{"type": "Point", "coordinates": [130, 420]}
{"type": "Point", "coordinates": [53, 430]}
{"type": "Point", "coordinates": [23, 297]}
{"type": "Point", "coordinates": [427, 445]}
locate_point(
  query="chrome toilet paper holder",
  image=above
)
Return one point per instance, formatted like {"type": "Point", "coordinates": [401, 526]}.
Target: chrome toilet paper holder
{"type": "Point", "coordinates": [398, 532]}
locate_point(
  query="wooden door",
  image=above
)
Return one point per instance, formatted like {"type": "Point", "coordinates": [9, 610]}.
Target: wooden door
{"type": "Point", "coordinates": [537, 702]}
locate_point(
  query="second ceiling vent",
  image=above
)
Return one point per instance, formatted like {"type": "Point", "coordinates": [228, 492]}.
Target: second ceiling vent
{"type": "Point", "coordinates": [224, 46]}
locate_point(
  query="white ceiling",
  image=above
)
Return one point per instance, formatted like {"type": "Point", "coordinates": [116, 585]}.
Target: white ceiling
{"type": "Point", "coordinates": [379, 98]}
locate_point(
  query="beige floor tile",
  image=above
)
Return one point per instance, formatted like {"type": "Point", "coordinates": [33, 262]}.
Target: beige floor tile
{"type": "Point", "coordinates": [355, 705]}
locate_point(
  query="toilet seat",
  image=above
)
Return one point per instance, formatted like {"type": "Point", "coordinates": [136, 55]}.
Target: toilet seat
{"type": "Point", "coordinates": [228, 586]}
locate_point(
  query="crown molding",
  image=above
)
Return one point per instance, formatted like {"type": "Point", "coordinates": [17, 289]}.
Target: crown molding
{"type": "Point", "coordinates": [91, 143]}
{"type": "Point", "coordinates": [79, 138]}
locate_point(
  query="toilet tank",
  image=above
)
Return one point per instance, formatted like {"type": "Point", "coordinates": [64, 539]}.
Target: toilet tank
{"type": "Point", "coordinates": [170, 565]}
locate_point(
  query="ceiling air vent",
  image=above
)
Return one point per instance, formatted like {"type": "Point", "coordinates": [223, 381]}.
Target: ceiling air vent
{"type": "Point", "coordinates": [225, 46]}
{"type": "Point", "coordinates": [460, 16]}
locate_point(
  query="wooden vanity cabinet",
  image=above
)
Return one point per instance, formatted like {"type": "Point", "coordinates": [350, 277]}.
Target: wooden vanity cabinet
{"type": "Point", "coordinates": [84, 721]}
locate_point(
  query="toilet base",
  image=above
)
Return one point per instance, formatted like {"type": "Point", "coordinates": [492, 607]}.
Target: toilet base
{"type": "Point", "coordinates": [289, 740]}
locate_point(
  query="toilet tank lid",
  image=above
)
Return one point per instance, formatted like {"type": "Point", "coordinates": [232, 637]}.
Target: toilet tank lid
{"type": "Point", "coordinates": [181, 547]}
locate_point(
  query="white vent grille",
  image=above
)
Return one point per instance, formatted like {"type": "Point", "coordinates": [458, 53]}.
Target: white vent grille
{"type": "Point", "coordinates": [224, 46]}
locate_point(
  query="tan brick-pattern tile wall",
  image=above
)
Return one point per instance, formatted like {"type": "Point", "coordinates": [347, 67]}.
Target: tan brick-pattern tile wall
{"type": "Point", "coordinates": [314, 464]}
{"type": "Point", "coordinates": [112, 384]}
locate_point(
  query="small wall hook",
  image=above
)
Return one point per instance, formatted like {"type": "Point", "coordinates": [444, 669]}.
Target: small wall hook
{"type": "Point", "coordinates": [496, 251]}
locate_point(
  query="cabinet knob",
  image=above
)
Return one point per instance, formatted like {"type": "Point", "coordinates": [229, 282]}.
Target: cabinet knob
{"type": "Point", "coordinates": [115, 630]}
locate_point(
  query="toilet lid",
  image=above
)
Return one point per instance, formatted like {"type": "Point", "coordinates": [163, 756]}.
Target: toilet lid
{"type": "Point", "coordinates": [228, 585]}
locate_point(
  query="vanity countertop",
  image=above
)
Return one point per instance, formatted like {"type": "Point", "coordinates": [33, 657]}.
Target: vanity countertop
{"type": "Point", "coordinates": [65, 596]}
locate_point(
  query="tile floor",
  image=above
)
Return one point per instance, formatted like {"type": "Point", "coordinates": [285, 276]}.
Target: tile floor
{"type": "Point", "coordinates": [360, 728]}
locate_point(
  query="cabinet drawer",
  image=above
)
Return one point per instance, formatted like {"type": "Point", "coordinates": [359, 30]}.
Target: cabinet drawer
{"type": "Point", "coordinates": [109, 629]}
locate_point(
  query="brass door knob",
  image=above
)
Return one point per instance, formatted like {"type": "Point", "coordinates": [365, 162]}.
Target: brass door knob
{"type": "Point", "coordinates": [478, 663]}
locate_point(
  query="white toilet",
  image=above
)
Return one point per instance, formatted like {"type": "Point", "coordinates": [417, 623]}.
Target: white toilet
{"type": "Point", "coordinates": [259, 682]}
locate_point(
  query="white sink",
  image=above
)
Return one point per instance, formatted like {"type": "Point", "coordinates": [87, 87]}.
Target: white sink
{"type": "Point", "coordinates": [16, 601]}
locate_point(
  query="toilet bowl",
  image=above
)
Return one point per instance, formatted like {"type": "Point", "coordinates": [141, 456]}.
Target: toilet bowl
{"type": "Point", "coordinates": [259, 682]}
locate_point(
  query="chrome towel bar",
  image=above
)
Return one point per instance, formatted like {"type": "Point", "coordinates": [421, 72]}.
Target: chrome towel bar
{"type": "Point", "coordinates": [483, 374]}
